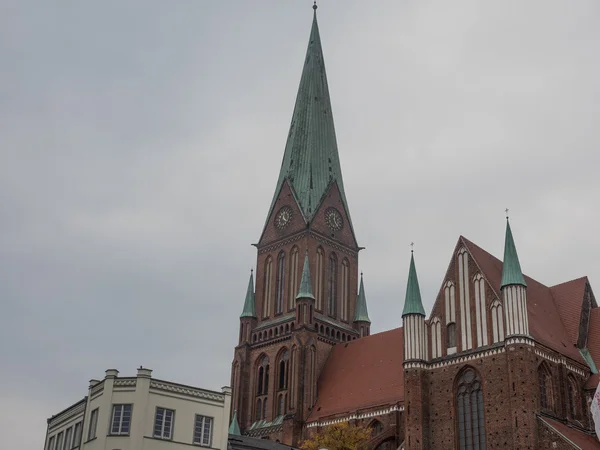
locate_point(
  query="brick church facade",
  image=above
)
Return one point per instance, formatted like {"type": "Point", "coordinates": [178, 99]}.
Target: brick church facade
{"type": "Point", "coordinates": [500, 362]}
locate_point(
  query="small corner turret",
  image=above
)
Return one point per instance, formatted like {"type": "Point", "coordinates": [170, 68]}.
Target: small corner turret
{"type": "Point", "coordinates": [413, 316]}
{"type": "Point", "coordinates": [514, 289]}
{"type": "Point", "coordinates": [248, 316]}
{"type": "Point", "coordinates": [305, 300]}
{"type": "Point", "coordinates": [361, 317]}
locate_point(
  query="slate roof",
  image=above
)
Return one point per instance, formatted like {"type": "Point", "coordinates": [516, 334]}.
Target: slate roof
{"type": "Point", "coordinates": [412, 301]}
{"type": "Point", "coordinates": [577, 438]}
{"type": "Point", "coordinates": [361, 373]}
{"type": "Point", "coordinates": [311, 162]}
{"type": "Point", "coordinates": [511, 269]}
{"type": "Point", "coordinates": [249, 303]}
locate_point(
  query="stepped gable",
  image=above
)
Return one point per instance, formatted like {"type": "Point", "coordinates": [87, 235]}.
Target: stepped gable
{"type": "Point", "coordinates": [545, 324]}
{"type": "Point", "coordinates": [360, 374]}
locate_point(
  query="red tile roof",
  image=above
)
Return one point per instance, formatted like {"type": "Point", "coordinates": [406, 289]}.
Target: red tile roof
{"type": "Point", "coordinates": [569, 299]}
{"type": "Point", "coordinates": [579, 438]}
{"type": "Point", "coordinates": [361, 374]}
{"type": "Point", "coordinates": [545, 322]}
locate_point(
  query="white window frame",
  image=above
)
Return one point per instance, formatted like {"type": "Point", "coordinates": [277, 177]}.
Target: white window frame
{"type": "Point", "coordinates": [93, 428]}
{"type": "Point", "coordinates": [200, 420]}
{"type": "Point", "coordinates": [59, 440]}
{"type": "Point", "coordinates": [77, 428]}
{"type": "Point", "coordinates": [121, 408]}
{"type": "Point", "coordinates": [51, 442]}
{"type": "Point", "coordinates": [162, 414]}
{"type": "Point", "coordinates": [68, 439]}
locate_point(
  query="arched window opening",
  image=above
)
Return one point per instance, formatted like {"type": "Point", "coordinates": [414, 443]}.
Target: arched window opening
{"type": "Point", "coordinates": [337, 335]}
{"type": "Point", "coordinates": [451, 338]}
{"type": "Point", "coordinates": [480, 310]}
{"type": "Point", "coordinates": [260, 382]}
{"type": "Point", "coordinates": [293, 283]}
{"type": "Point", "coordinates": [436, 338]}
{"type": "Point", "coordinates": [322, 330]}
{"type": "Point", "coordinates": [254, 338]}
{"type": "Point", "coordinates": [280, 283]}
{"type": "Point", "coordinates": [332, 286]}
{"type": "Point", "coordinates": [546, 387]}
{"type": "Point", "coordinates": [345, 288]}
{"type": "Point", "coordinates": [283, 375]}
{"type": "Point", "coordinates": [319, 281]}
{"type": "Point", "coordinates": [281, 405]}
{"type": "Point", "coordinates": [376, 428]}
{"type": "Point", "coordinates": [497, 321]}
{"type": "Point", "coordinates": [268, 288]}
{"type": "Point", "coordinates": [262, 386]}
{"type": "Point", "coordinates": [287, 328]}
{"type": "Point", "coordinates": [574, 399]}
{"type": "Point", "coordinates": [343, 336]}
{"type": "Point", "coordinates": [276, 331]}
{"type": "Point", "coordinates": [471, 422]}
{"type": "Point", "coordinates": [264, 414]}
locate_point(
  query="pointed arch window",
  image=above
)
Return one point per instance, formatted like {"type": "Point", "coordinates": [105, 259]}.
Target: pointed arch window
{"type": "Point", "coordinates": [546, 387]}
{"type": "Point", "coordinates": [497, 321]}
{"type": "Point", "coordinates": [268, 286]}
{"type": "Point", "coordinates": [451, 338]}
{"type": "Point", "coordinates": [280, 283]}
{"type": "Point", "coordinates": [262, 387]}
{"type": "Point", "coordinates": [469, 407]}
{"type": "Point", "coordinates": [293, 283]}
{"type": "Point", "coordinates": [376, 428]}
{"type": "Point", "coordinates": [480, 310]}
{"type": "Point", "coordinates": [283, 371]}
{"type": "Point", "coordinates": [465, 299]}
{"type": "Point", "coordinates": [332, 286]}
{"type": "Point", "coordinates": [345, 289]}
{"type": "Point", "coordinates": [319, 280]}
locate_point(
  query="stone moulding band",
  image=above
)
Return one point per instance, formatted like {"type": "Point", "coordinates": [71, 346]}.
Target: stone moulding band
{"type": "Point", "coordinates": [187, 391]}
{"type": "Point", "coordinates": [356, 416]}
{"type": "Point", "coordinates": [77, 409]}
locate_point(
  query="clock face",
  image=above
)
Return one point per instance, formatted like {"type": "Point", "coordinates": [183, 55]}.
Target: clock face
{"type": "Point", "coordinates": [334, 219]}
{"type": "Point", "coordinates": [283, 217]}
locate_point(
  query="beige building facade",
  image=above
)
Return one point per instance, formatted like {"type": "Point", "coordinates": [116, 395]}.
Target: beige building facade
{"type": "Point", "coordinates": [141, 413]}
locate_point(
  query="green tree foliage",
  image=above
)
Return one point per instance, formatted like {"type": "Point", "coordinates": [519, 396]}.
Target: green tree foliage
{"type": "Point", "coordinates": [340, 436]}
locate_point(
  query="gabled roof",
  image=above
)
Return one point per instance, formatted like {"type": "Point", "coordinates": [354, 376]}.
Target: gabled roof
{"type": "Point", "coordinates": [545, 323]}
{"type": "Point", "coordinates": [578, 439]}
{"type": "Point", "coordinates": [360, 374]}
{"type": "Point", "coordinates": [311, 162]}
{"type": "Point", "coordinates": [569, 300]}
{"type": "Point", "coordinates": [362, 313]}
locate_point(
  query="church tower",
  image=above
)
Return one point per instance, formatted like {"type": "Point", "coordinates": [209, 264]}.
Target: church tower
{"type": "Point", "coordinates": [305, 300]}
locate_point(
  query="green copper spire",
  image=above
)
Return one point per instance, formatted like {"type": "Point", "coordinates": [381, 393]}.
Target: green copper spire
{"type": "Point", "coordinates": [305, 283]}
{"type": "Point", "coordinates": [311, 162]}
{"type": "Point", "coordinates": [234, 428]}
{"type": "Point", "coordinates": [511, 269]}
{"type": "Point", "coordinates": [249, 304]}
{"type": "Point", "coordinates": [413, 303]}
{"type": "Point", "coordinates": [362, 314]}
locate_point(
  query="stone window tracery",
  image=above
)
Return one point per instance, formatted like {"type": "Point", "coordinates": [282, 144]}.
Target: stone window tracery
{"type": "Point", "coordinates": [470, 409]}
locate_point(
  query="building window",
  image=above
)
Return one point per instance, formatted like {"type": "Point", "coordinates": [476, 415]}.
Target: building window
{"type": "Point", "coordinates": [258, 413]}
{"type": "Point", "coordinates": [163, 423]}
{"type": "Point", "coordinates": [283, 370]}
{"type": "Point", "coordinates": [319, 283]}
{"type": "Point", "coordinates": [267, 287]}
{"type": "Point", "coordinates": [50, 443]}
{"type": "Point", "coordinates": [465, 300]}
{"type": "Point", "coordinates": [546, 388]}
{"type": "Point", "coordinates": [68, 438]}
{"type": "Point", "coordinates": [574, 399]}
{"type": "Point", "coordinates": [59, 441]}
{"type": "Point", "coordinates": [449, 295]}
{"type": "Point", "coordinates": [93, 424]}
{"type": "Point", "coordinates": [280, 283]}
{"type": "Point", "coordinates": [262, 387]}
{"type": "Point", "coordinates": [332, 286]}
{"type": "Point", "coordinates": [121, 419]}
{"type": "Point", "coordinates": [451, 338]}
{"type": "Point", "coordinates": [471, 423]}
{"type": "Point", "coordinates": [203, 430]}
{"type": "Point", "coordinates": [293, 291]}
{"type": "Point", "coordinates": [480, 310]}
{"type": "Point", "coordinates": [281, 405]}
{"type": "Point", "coordinates": [77, 435]}
{"type": "Point", "coordinates": [376, 428]}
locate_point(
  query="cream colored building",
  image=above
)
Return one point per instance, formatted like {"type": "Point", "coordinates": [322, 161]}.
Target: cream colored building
{"type": "Point", "coordinates": [142, 413]}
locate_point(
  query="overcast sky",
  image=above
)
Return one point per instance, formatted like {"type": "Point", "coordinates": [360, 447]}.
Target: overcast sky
{"type": "Point", "coordinates": [140, 144]}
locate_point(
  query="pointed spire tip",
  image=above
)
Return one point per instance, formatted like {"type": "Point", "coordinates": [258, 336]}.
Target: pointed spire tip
{"type": "Point", "coordinates": [315, 5]}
